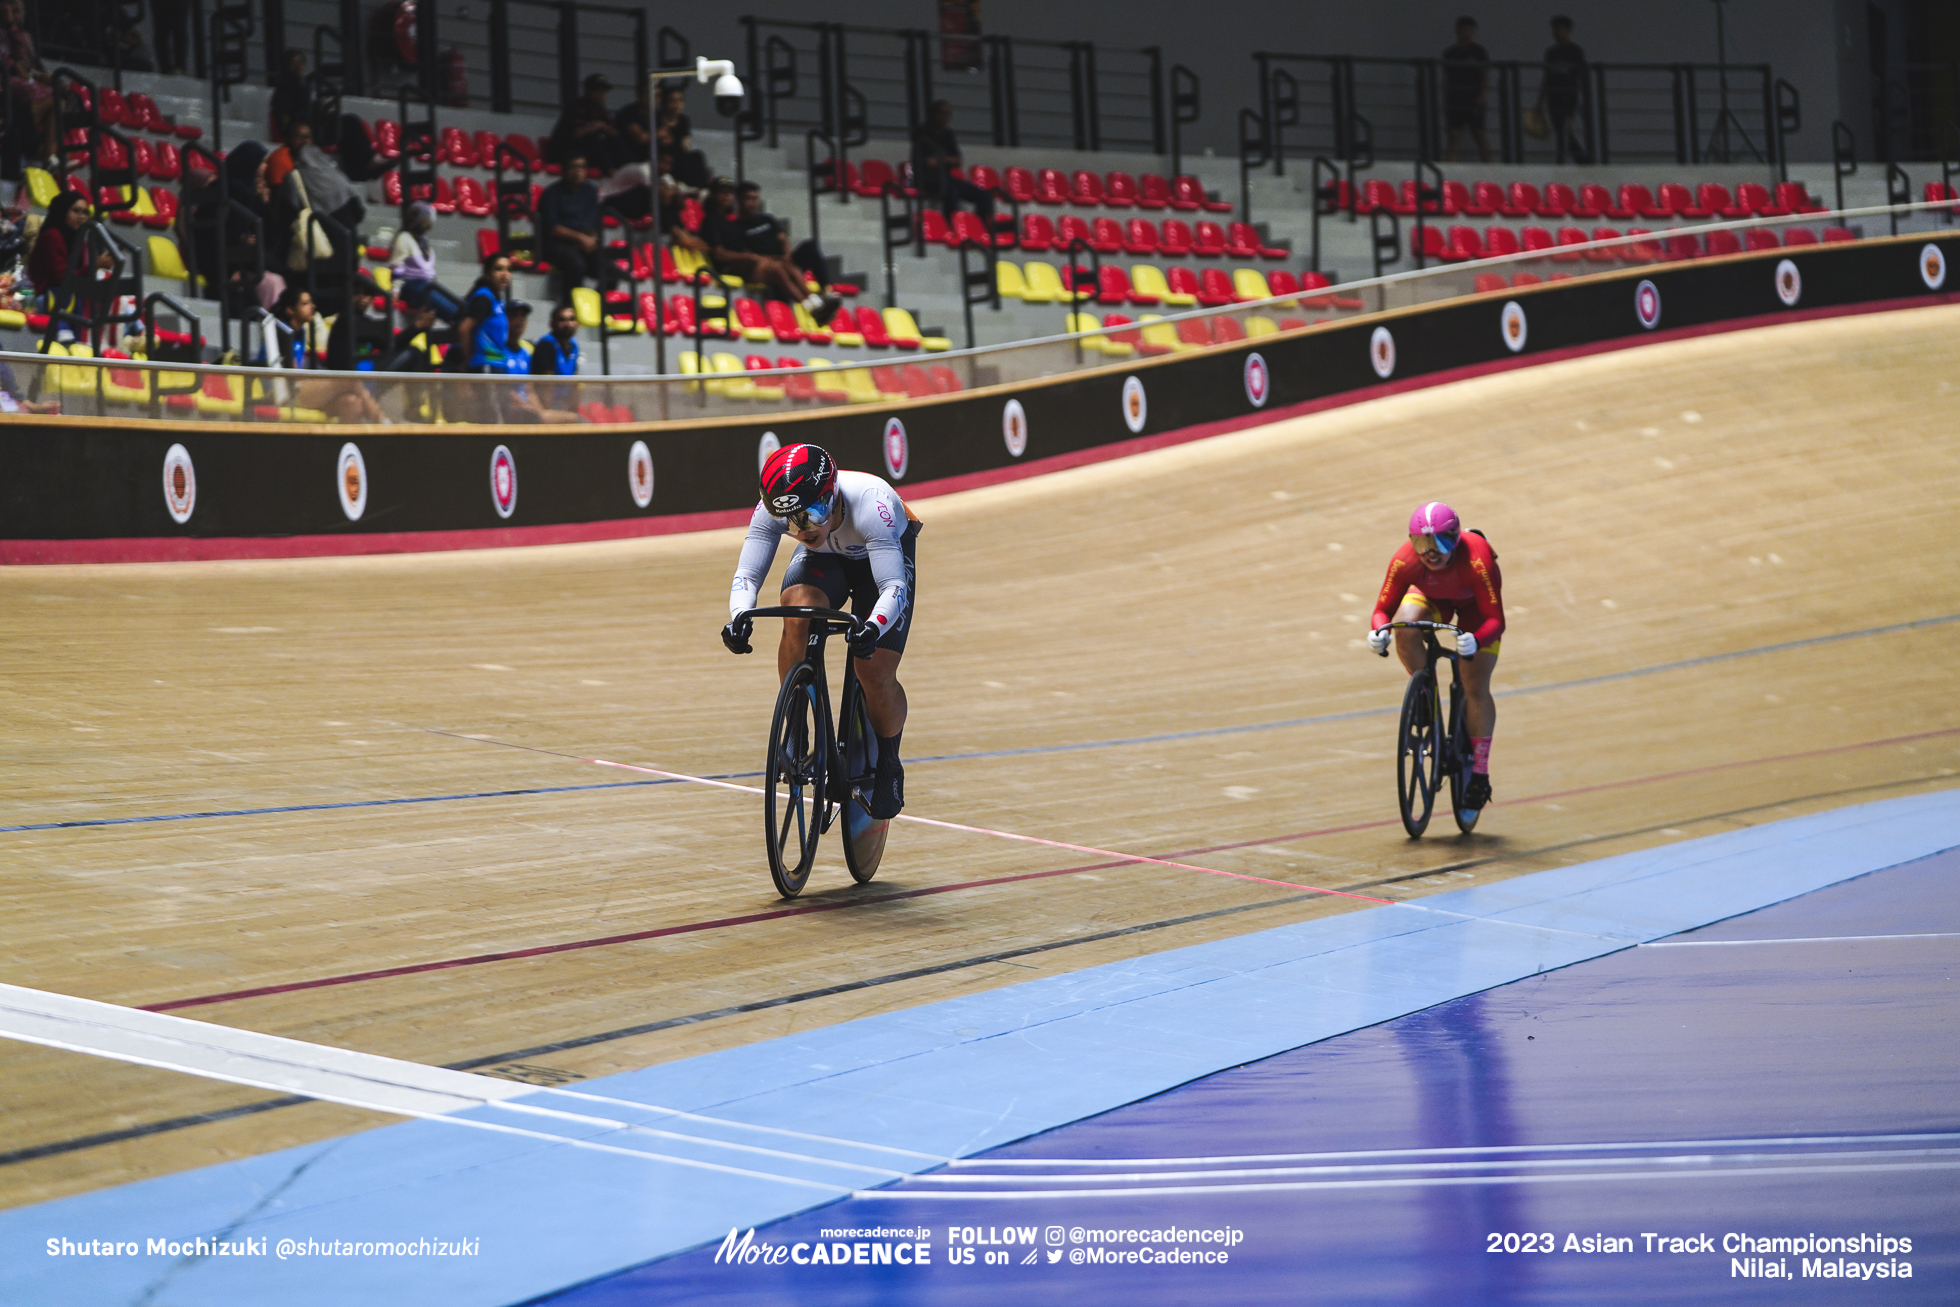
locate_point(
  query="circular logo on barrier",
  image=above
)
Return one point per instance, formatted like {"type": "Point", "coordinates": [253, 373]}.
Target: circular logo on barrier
{"type": "Point", "coordinates": [351, 479]}
{"type": "Point", "coordinates": [768, 446]}
{"type": "Point", "coordinates": [639, 473]}
{"type": "Point", "coordinates": [1789, 284]}
{"type": "Point", "coordinates": [1512, 324]}
{"type": "Point", "coordinates": [898, 451]}
{"type": "Point", "coordinates": [503, 481]}
{"type": "Point", "coordinates": [1647, 304]}
{"type": "Point", "coordinates": [1258, 381]}
{"type": "Point", "coordinates": [1381, 352]}
{"type": "Point", "coordinates": [1014, 428]}
{"type": "Point", "coordinates": [1136, 406]}
{"type": "Point", "coordinates": [1932, 267]}
{"type": "Point", "coordinates": [179, 484]}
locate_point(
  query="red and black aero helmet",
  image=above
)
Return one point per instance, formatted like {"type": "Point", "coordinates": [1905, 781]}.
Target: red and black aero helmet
{"type": "Point", "coordinates": [798, 479]}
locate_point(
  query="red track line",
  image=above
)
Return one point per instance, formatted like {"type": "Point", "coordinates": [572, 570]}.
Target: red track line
{"type": "Point", "coordinates": [1120, 860]}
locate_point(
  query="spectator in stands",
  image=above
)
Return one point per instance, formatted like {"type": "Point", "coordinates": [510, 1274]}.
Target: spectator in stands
{"type": "Point", "coordinates": [556, 354]}
{"type": "Point", "coordinates": [1466, 77]}
{"type": "Point", "coordinates": [14, 400]}
{"type": "Point", "coordinates": [412, 263]}
{"type": "Point", "coordinates": [935, 153]}
{"type": "Point", "coordinates": [30, 112]}
{"type": "Point", "coordinates": [307, 178]}
{"type": "Point", "coordinates": [172, 35]}
{"type": "Point", "coordinates": [675, 132]}
{"type": "Point", "coordinates": [587, 131]}
{"type": "Point", "coordinates": [292, 98]}
{"type": "Point", "coordinates": [635, 123]}
{"type": "Point", "coordinates": [525, 403]}
{"type": "Point", "coordinates": [483, 332]}
{"type": "Point", "coordinates": [1560, 91]}
{"type": "Point", "coordinates": [768, 235]}
{"type": "Point", "coordinates": [731, 237]}
{"type": "Point", "coordinates": [61, 244]}
{"type": "Point", "coordinates": [412, 350]}
{"type": "Point", "coordinates": [247, 187]}
{"type": "Point", "coordinates": [344, 400]}
{"type": "Point", "coordinates": [570, 230]}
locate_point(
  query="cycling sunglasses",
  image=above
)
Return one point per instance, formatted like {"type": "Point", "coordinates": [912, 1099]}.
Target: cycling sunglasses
{"type": "Point", "coordinates": [816, 515]}
{"type": "Point", "coordinates": [1440, 544]}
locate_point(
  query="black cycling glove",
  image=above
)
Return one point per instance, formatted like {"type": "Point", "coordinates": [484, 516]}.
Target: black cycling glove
{"type": "Point", "coordinates": [736, 635]}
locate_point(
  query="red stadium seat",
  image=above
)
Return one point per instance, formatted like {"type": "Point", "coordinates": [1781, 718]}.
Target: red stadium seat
{"type": "Point", "coordinates": [873, 176]}
{"type": "Point", "coordinates": [1140, 237]}
{"type": "Point", "coordinates": [1226, 329]}
{"type": "Point", "coordinates": [1457, 199]}
{"type": "Point", "coordinates": [1499, 241]}
{"type": "Point", "coordinates": [456, 149]}
{"type": "Point", "coordinates": [1020, 185]}
{"type": "Point", "coordinates": [934, 228]}
{"type": "Point", "coordinates": [1120, 191]}
{"type": "Point", "coordinates": [872, 327]}
{"type": "Point", "coordinates": [1106, 236]}
{"type": "Point", "coordinates": [1791, 197]}
{"type": "Point", "coordinates": [1832, 235]}
{"type": "Point", "coordinates": [967, 227]}
{"type": "Point", "coordinates": [1524, 201]}
{"type": "Point", "coordinates": [1085, 189]}
{"type": "Point", "coordinates": [1723, 242]}
{"type": "Point", "coordinates": [987, 179]}
{"type": "Point", "coordinates": [1209, 242]}
{"type": "Point", "coordinates": [1113, 285]}
{"type": "Point", "coordinates": [945, 381]}
{"type": "Point", "coordinates": [1647, 251]}
{"type": "Point", "coordinates": [1281, 282]}
{"type": "Point", "coordinates": [1070, 231]}
{"type": "Point", "coordinates": [1676, 200]}
{"type": "Point", "coordinates": [1536, 240]}
{"type": "Point", "coordinates": [1215, 288]}
{"type": "Point", "coordinates": [1713, 198]}
{"type": "Point", "coordinates": [1194, 189]}
{"type": "Point", "coordinates": [1799, 236]}
{"type": "Point", "coordinates": [1595, 201]}
{"type": "Point", "coordinates": [1637, 201]}
{"type": "Point", "coordinates": [1465, 243]}
{"type": "Point", "coordinates": [1380, 196]}
{"type": "Point", "coordinates": [1153, 192]}
{"type": "Point", "coordinates": [471, 199]}
{"type": "Point", "coordinates": [1037, 232]}
{"type": "Point", "coordinates": [1194, 331]}
{"type": "Point", "coordinates": [1490, 281]}
{"type": "Point", "coordinates": [1612, 253]}
{"type": "Point", "coordinates": [1431, 244]}
{"type": "Point", "coordinates": [1050, 187]}
{"type": "Point", "coordinates": [1558, 200]}
{"type": "Point", "coordinates": [1685, 246]}
{"type": "Point", "coordinates": [1569, 236]}
{"type": "Point", "coordinates": [1182, 280]}
{"type": "Point", "coordinates": [1761, 238]}
{"type": "Point", "coordinates": [1177, 239]}
{"type": "Point", "coordinates": [782, 321]}
{"type": "Point", "coordinates": [165, 203]}
{"type": "Point", "coordinates": [1524, 279]}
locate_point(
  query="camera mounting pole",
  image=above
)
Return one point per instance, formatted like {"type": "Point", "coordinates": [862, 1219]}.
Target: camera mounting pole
{"type": "Point", "coordinates": [728, 101]}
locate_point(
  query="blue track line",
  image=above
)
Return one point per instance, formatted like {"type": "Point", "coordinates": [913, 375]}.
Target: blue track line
{"type": "Point", "coordinates": [1655, 670]}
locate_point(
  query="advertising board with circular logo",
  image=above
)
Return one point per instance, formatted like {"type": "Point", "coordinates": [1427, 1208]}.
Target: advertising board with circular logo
{"type": "Point", "coordinates": [898, 451]}
{"type": "Point", "coordinates": [1136, 406]}
{"type": "Point", "coordinates": [1381, 352]}
{"type": "Point", "coordinates": [639, 473]}
{"type": "Point", "coordinates": [1647, 304]}
{"type": "Point", "coordinates": [768, 446]}
{"type": "Point", "coordinates": [351, 480]}
{"type": "Point", "coordinates": [179, 484]}
{"type": "Point", "coordinates": [1014, 428]}
{"type": "Point", "coordinates": [503, 481]}
{"type": "Point", "coordinates": [1789, 283]}
{"type": "Point", "coordinates": [1258, 381]}
{"type": "Point", "coordinates": [1932, 267]}
{"type": "Point", "coordinates": [1513, 327]}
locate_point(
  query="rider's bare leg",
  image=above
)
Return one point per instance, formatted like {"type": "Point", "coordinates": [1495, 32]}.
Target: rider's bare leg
{"type": "Point", "coordinates": [1408, 644]}
{"type": "Point", "coordinates": [884, 697]}
{"type": "Point", "coordinates": [796, 631]}
{"type": "Point", "coordinates": [1479, 708]}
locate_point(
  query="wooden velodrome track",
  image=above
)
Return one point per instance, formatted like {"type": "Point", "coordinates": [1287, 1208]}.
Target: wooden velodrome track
{"type": "Point", "coordinates": [1651, 506]}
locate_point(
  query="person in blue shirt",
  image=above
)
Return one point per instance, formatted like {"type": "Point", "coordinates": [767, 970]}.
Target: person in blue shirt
{"type": "Point", "coordinates": [526, 403]}
{"type": "Point", "coordinates": [483, 331]}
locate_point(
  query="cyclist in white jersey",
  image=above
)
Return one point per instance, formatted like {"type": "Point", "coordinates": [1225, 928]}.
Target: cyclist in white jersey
{"type": "Point", "coordinates": [856, 542]}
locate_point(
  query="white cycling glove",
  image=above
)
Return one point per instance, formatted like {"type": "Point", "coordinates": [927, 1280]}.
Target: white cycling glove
{"type": "Point", "coordinates": [1466, 645]}
{"type": "Point", "coordinates": [1378, 640]}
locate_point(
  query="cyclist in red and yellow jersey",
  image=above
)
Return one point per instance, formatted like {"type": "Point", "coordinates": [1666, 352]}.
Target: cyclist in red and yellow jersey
{"type": "Point", "coordinates": [1445, 574]}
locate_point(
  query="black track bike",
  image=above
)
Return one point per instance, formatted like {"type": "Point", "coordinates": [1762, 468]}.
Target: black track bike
{"type": "Point", "coordinates": [814, 771]}
{"type": "Point", "coordinates": [1426, 750]}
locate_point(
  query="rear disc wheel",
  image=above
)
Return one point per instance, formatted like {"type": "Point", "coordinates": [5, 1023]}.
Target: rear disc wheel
{"type": "Point", "coordinates": [864, 834]}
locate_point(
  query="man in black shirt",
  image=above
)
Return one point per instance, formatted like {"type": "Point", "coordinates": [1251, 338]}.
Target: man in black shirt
{"type": "Point", "coordinates": [748, 243]}
{"type": "Point", "coordinates": [1560, 91]}
{"type": "Point", "coordinates": [935, 153]}
{"type": "Point", "coordinates": [1466, 71]}
{"type": "Point", "coordinates": [571, 232]}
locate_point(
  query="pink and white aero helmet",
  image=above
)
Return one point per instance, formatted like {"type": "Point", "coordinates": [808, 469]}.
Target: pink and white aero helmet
{"type": "Point", "coordinates": [1438, 522]}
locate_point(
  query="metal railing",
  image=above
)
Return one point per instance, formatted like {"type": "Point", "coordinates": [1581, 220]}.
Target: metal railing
{"type": "Point", "coordinates": [713, 380]}
{"type": "Point", "coordinates": [1688, 113]}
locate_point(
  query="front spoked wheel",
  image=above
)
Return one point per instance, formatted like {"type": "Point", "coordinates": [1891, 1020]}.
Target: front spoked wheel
{"type": "Point", "coordinates": [1462, 755]}
{"type": "Point", "coordinates": [1418, 750]}
{"type": "Point", "coordinates": [864, 834]}
{"type": "Point", "coordinates": [793, 801]}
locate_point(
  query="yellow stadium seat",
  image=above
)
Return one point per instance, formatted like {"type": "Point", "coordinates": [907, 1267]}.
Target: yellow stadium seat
{"type": "Point", "coordinates": [12, 319]}
{"type": "Point", "coordinates": [222, 394]}
{"type": "Point", "coordinates": [41, 185]}
{"type": "Point", "coordinates": [586, 303]}
{"type": "Point", "coordinates": [1261, 326]}
{"type": "Point", "coordinates": [166, 260]}
{"type": "Point", "coordinates": [384, 277]}
{"type": "Point", "coordinates": [1043, 283]}
{"type": "Point", "coordinates": [860, 387]}
{"type": "Point", "coordinates": [766, 386]}
{"type": "Point", "coordinates": [1149, 280]}
{"type": "Point", "coordinates": [116, 392]}
{"type": "Point", "coordinates": [689, 262]}
{"type": "Point", "coordinates": [736, 387]}
{"type": "Point", "coordinates": [815, 334]}
{"type": "Point", "coordinates": [1250, 283]}
{"type": "Point", "coordinates": [1008, 280]}
{"type": "Point", "coordinates": [903, 326]}
{"type": "Point", "coordinates": [1100, 344]}
{"type": "Point", "coordinates": [690, 364]}
{"type": "Point", "coordinates": [828, 387]}
{"type": "Point", "coordinates": [77, 380]}
{"type": "Point", "coordinates": [1156, 331]}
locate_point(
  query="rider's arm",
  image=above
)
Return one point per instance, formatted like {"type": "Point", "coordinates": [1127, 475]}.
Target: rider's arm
{"type": "Point", "coordinates": [1401, 572]}
{"type": "Point", "coordinates": [879, 515]}
{"type": "Point", "coordinates": [1487, 583]}
{"type": "Point", "coordinates": [758, 552]}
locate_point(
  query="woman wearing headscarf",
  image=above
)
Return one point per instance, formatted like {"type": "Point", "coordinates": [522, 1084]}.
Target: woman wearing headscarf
{"type": "Point", "coordinates": [198, 220]}
{"type": "Point", "coordinates": [60, 246]}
